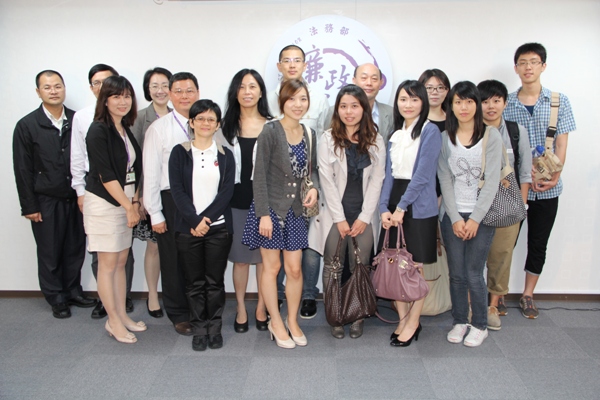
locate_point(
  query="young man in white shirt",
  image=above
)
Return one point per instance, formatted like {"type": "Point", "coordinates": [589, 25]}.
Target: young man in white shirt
{"type": "Point", "coordinates": [161, 137]}
{"type": "Point", "coordinates": [80, 167]}
{"type": "Point", "coordinates": [292, 64]}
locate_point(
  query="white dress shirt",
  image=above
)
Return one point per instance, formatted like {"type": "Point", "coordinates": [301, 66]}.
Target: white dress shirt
{"type": "Point", "coordinates": [314, 117]}
{"type": "Point", "coordinates": [58, 123]}
{"type": "Point", "coordinates": [164, 134]}
{"type": "Point", "coordinates": [80, 164]}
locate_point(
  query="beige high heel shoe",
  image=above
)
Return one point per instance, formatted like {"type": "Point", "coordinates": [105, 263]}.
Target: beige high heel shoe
{"type": "Point", "coordinates": [139, 326]}
{"type": "Point", "coordinates": [129, 338]}
{"type": "Point", "coordinates": [299, 340]}
{"type": "Point", "coordinates": [284, 344]}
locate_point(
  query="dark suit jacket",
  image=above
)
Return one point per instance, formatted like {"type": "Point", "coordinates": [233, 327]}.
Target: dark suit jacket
{"type": "Point", "coordinates": [108, 159]}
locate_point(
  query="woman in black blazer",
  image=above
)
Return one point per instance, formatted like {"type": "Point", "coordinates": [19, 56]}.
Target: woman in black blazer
{"type": "Point", "coordinates": [111, 203]}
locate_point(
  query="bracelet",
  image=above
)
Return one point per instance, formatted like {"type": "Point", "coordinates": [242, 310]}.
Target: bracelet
{"type": "Point", "coordinates": [136, 202]}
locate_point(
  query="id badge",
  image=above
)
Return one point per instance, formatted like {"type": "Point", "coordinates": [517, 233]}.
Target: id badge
{"type": "Point", "coordinates": [130, 178]}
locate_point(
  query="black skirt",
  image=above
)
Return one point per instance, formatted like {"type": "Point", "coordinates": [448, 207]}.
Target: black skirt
{"type": "Point", "coordinates": [421, 234]}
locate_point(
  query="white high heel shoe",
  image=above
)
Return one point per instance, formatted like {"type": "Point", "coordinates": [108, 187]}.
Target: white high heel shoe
{"type": "Point", "coordinates": [299, 340]}
{"type": "Point", "coordinates": [285, 344]}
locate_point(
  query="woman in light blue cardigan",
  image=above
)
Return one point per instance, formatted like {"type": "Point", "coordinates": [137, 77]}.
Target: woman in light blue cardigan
{"type": "Point", "coordinates": [408, 197]}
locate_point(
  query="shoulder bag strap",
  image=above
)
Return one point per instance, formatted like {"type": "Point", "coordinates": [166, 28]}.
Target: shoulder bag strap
{"type": "Point", "coordinates": [554, 106]}
{"type": "Point", "coordinates": [486, 136]}
{"type": "Point", "coordinates": [309, 155]}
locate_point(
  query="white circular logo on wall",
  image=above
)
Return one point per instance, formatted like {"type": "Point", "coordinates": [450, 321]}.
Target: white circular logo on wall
{"type": "Point", "coordinates": [334, 47]}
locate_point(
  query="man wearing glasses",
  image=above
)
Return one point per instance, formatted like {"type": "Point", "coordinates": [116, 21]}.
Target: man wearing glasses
{"type": "Point", "coordinates": [41, 158]}
{"type": "Point", "coordinates": [530, 106]}
{"type": "Point", "coordinates": [161, 137]}
{"type": "Point", "coordinates": [80, 167]}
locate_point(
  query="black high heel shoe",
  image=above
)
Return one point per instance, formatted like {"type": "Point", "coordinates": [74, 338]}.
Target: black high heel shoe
{"type": "Point", "coordinates": [261, 325]}
{"type": "Point", "coordinates": [397, 343]}
{"type": "Point", "coordinates": [154, 313]}
{"type": "Point", "coordinates": [394, 335]}
{"type": "Point", "coordinates": [240, 328]}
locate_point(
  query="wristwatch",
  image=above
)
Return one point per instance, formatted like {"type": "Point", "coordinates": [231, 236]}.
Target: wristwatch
{"type": "Point", "coordinates": [400, 210]}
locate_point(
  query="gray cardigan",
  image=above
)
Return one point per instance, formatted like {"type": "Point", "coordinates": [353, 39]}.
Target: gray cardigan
{"type": "Point", "coordinates": [493, 159]}
{"type": "Point", "coordinates": [274, 184]}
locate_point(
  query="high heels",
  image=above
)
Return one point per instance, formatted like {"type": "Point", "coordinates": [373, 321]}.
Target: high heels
{"type": "Point", "coordinates": [139, 326]}
{"type": "Point", "coordinates": [261, 325]}
{"type": "Point", "coordinates": [394, 335]}
{"type": "Point", "coordinates": [285, 344]}
{"type": "Point", "coordinates": [129, 338]}
{"type": "Point", "coordinates": [299, 340]}
{"type": "Point", "coordinates": [240, 328]}
{"type": "Point", "coordinates": [154, 313]}
{"type": "Point", "coordinates": [398, 343]}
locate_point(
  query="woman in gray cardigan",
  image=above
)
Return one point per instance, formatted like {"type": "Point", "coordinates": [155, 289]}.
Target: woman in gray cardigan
{"type": "Point", "coordinates": [464, 206]}
{"type": "Point", "coordinates": [285, 154]}
{"type": "Point", "coordinates": [156, 90]}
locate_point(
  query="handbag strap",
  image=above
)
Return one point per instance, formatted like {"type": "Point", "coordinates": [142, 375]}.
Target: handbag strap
{"type": "Point", "coordinates": [485, 139]}
{"type": "Point", "coordinates": [386, 239]}
{"type": "Point", "coordinates": [309, 134]}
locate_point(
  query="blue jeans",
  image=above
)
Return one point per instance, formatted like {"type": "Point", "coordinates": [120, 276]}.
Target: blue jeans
{"type": "Point", "coordinates": [311, 266]}
{"type": "Point", "coordinates": [466, 261]}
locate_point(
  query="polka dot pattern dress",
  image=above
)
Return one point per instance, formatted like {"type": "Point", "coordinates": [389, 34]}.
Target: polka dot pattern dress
{"type": "Point", "coordinates": [289, 233]}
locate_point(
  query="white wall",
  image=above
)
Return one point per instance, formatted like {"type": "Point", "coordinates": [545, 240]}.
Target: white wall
{"type": "Point", "coordinates": [472, 40]}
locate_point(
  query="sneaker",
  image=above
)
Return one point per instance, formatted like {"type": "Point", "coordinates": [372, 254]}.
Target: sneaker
{"type": "Point", "coordinates": [528, 308]}
{"type": "Point", "coordinates": [457, 333]}
{"type": "Point", "coordinates": [475, 337]}
{"type": "Point", "coordinates": [502, 309]}
{"type": "Point", "coordinates": [493, 319]}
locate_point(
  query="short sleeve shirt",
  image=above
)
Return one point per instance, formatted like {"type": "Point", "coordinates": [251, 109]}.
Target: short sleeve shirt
{"type": "Point", "coordinates": [537, 125]}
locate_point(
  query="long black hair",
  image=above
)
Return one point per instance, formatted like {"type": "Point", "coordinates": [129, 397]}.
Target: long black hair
{"type": "Point", "coordinates": [231, 120]}
{"type": "Point", "coordinates": [414, 89]}
{"type": "Point", "coordinates": [465, 90]}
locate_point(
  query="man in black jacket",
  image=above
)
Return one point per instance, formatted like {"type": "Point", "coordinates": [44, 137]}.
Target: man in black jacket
{"type": "Point", "coordinates": [41, 158]}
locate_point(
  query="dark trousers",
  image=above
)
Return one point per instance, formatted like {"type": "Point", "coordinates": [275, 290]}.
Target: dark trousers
{"type": "Point", "coordinates": [204, 260]}
{"type": "Point", "coordinates": [60, 240]}
{"type": "Point", "coordinates": [128, 269]}
{"type": "Point", "coordinates": [540, 220]}
{"type": "Point", "coordinates": [171, 272]}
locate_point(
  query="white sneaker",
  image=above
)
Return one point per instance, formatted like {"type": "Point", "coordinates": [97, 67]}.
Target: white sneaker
{"type": "Point", "coordinates": [457, 333]}
{"type": "Point", "coordinates": [475, 337]}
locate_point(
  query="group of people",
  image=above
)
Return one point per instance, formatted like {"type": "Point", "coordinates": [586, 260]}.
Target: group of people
{"type": "Point", "coordinates": [203, 187]}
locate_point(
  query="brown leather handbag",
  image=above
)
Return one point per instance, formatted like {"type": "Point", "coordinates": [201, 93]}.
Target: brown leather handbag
{"type": "Point", "coordinates": [353, 300]}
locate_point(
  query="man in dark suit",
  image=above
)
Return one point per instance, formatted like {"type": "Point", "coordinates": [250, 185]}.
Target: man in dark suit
{"type": "Point", "coordinates": [368, 78]}
{"type": "Point", "coordinates": [41, 158]}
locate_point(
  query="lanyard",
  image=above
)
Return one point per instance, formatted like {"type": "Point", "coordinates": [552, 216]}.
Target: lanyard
{"type": "Point", "coordinates": [127, 150]}
{"type": "Point", "coordinates": [182, 128]}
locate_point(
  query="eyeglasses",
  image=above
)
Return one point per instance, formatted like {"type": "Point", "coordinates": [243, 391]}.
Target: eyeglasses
{"type": "Point", "coordinates": [49, 88]}
{"type": "Point", "coordinates": [439, 89]}
{"type": "Point", "coordinates": [297, 60]}
{"type": "Point", "coordinates": [97, 83]}
{"type": "Point", "coordinates": [533, 63]}
{"type": "Point", "coordinates": [155, 88]}
{"type": "Point", "coordinates": [179, 92]}
{"type": "Point", "coordinates": [210, 120]}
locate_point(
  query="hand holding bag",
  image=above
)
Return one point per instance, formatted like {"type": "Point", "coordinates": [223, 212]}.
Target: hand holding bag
{"type": "Point", "coordinates": [307, 184]}
{"type": "Point", "coordinates": [507, 208]}
{"type": "Point", "coordinates": [396, 275]}
{"type": "Point", "coordinates": [355, 299]}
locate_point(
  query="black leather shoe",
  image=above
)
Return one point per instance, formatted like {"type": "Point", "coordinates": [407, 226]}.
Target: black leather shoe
{"type": "Point", "coordinates": [61, 311]}
{"type": "Point", "coordinates": [356, 329]}
{"type": "Point", "coordinates": [397, 343]}
{"type": "Point", "coordinates": [154, 313]}
{"type": "Point", "coordinates": [199, 343]}
{"type": "Point", "coordinates": [393, 336]}
{"type": "Point", "coordinates": [308, 309]}
{"type": "Point", "coordinates": [240, 328]}
{"type": "Point", "coordinates": [98, 312]}
{"type": "Point", "coordinates": [262, 325]}
{"type": "Point", "coordinates": [215, 341]}
{"type": "Point", "coordinates": [82, 301]}
{"type": "Point", "coordinates": [128, 305]}
{"type": "Point", "coordinates": [184, 328]}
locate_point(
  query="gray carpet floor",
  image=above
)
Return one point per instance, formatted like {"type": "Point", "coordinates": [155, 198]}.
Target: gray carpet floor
{"type": "Point", "coordinates": [556, 356]}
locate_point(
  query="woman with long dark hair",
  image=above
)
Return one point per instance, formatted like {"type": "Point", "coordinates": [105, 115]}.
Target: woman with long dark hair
{"type": "Point", "coordinates": [464, 206]}
{"type": "Point", "coordinates": [156, 91]}
{"type": "Point", "coordinates": [351, 160]}
{"type": "Point", "coordinates": [275, 222]}
{"type": "Point", "coordinates": [245, 117]}
{"type": "Point", "coordinates": [408, 197]}
{"type": "Point", "coordinates": [111, 203]}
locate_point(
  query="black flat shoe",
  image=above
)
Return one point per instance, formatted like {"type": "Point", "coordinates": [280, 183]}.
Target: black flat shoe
{"type": "Point", "coordinates": [128, 305]}
{"type": "Point", "coordinates": [215, 341]}
{"type": "Point", "coordinates": [82, 302]}
{"type": "Point", "coordinates": [199, 343]}
{"type": "Point", "coordinates": [154, 313]}
{"type": "Point", "coordinates": [98, 312]}
{"type": "Point", "coordinates": [240, 328]}
{"type": "Point", "coordinates": [262, 325]}
{"type": "Point", "coordinates": [61, 311]}
{"type": "Point", "coordinates": [398, 343]}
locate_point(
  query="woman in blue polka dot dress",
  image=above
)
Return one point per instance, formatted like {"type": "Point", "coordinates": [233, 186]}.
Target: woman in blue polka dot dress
{"type": "Point", "coordinates": [275, 222]}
